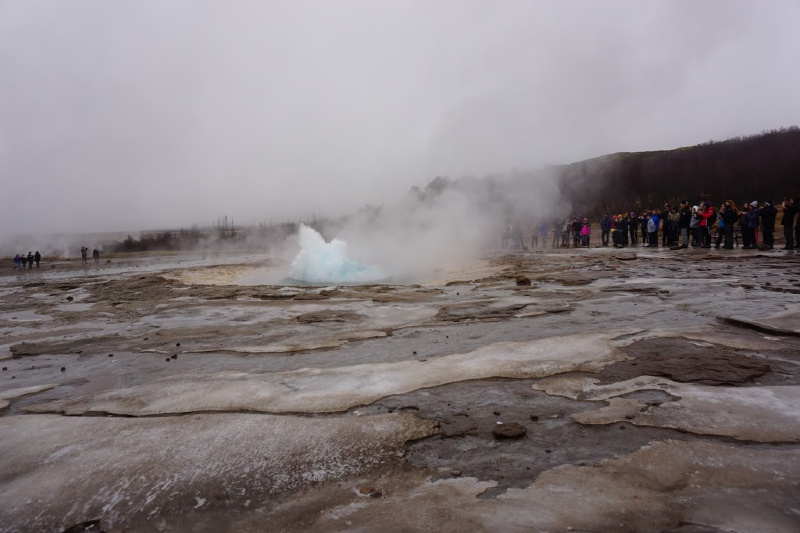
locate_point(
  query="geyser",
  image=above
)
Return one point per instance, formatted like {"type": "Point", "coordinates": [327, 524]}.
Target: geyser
{"type": "Point", "coordinates": [327, 262]}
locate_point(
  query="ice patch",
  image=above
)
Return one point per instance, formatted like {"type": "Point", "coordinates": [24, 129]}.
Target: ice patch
{"type": "Point", "coordinates": [327, 262]}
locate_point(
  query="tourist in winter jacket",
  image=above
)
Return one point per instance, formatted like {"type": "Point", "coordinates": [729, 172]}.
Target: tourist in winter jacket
{"type": "Point", "coordinates": [643, 223]}
{"type": "Point", "coordinates": [684, 221]}
{"type": "Point", "coordinates": [586, 232]}
{"type": "Point", "coordinates": [730, 215]}
{"type": "Point", "coordinates": [694, 225]}
{"type": "Point", "coordinates": [656, 220]}
{"type": "Point", "coordinates": [605, 229]}
{"type": "Point", "coordinates": [789, 209]}
{"type": "Point", "coordinates": [720, 230]}
{"type": "Point", "coordinates": [633, 226]}
{"type": "Point", "coordinates": [624, 224]}
{"type": "Point", "coordinates": [750, 227]}
{"type": "Point", "coordinates": [768, 215]}
{"type": "Point", "coordinates": [706, 214]}
{"type": "Point", "coordinates": [664, 219]}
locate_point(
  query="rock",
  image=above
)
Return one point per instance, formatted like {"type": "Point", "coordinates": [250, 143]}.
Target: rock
{"type": "Point", "coordinates": [177, 344]}
{"type": "Point", "coordinates": [63, 369]}
{"type": "Point", "coordinates": [92, 526]}
{"type": "Point", "coordinates": [174, 356]}
{"type": "Point", "coordinates": [167, 359]}
{"type": "Point", "coordinates": [512, 430]}
{"type": "Point", "coordinates": [456, 473]}
{"type": "Point", "coordinates": [523, 280]}
{"type": "Point", "coordinates": [5, 368]}
{"type": "Point", "coordinates": [496, 413]}
{"type": "Point", "coordinates": [111, 355]}
{"type": "Point", "coordinates": [366, 490]}
{"type": "Point", "coordinates": [70, 298]}
{"type": "Point", "coordinates": [534, 418]}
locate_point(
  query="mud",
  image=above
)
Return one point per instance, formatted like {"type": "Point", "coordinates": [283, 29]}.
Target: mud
{"type": "Point", "coordinates": [644, 390]}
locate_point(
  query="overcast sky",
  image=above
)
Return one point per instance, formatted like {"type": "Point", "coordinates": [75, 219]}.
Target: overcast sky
{"type": "Point", "coordinates": [134, 114]}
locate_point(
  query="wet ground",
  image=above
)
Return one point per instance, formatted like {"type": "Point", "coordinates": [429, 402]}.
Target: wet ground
{"type": "Point", "coordinates": [583, 389]}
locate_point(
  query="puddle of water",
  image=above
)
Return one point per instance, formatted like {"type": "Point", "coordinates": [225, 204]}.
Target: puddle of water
{"type": "Point", "coordinates": [23, 316]}
{"type": "Point", "coordinates": [74, 307]}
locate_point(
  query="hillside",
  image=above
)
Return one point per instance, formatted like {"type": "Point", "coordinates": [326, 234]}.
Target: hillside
{"type": "Point", "coordinates": [763, 167]}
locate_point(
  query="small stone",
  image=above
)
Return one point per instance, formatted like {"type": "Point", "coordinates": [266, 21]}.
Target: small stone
{"type": "Point", "coordinates": [375, 494]}
{"type": "Point", "coordinates": [622, 427]}
{"type": "Point", "coordinates": [174, 356]}
{"type": "Point", "coordinates": [5, 368]}
{"type": "Point", "coordinates": [167, 359]}
{"type": "Point", "coordinates": [512, 430]}
{"type": "Point", "coordinates": [496, 413]}
{"type": "Point", "coordinates": [70, 298]}
{"type": "Point", "coordinates": [548, 451]}
{"type": "Point", "coordinates": [456, 473]}
{"type": "Point", "coordinates": [415, 353]}
{"type": "Point", "coordinates": [523, 280]}
{"type": "Point", "coordinates": [111, 355]}
{"type": "Point", "coordinates": [534, 418]}
{"type": "Point", "coordinates": [629, 417]}
{"type": "Point", "coordinates": [13, 377]}
{"type": "Point", "coordinates": [63, 369]}
{"type": "Point", "coordinates": [177, 344]}
{"type": "Point", "coordinates": [147, 338]}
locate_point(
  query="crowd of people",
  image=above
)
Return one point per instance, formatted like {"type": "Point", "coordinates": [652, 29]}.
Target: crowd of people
{"type": "Point", "coordinates": [683, 226]}
{"type": "Point", "coordinates": [22, 260]}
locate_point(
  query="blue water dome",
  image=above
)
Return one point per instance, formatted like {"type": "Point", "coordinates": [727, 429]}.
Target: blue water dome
{"type": "Point", "coordinates": [327, 262]}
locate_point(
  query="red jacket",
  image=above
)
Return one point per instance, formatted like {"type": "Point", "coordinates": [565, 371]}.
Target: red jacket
{"type": "Point", "coordinates": [705, 215]}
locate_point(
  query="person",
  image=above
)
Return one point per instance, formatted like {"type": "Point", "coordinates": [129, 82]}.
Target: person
{"type": "Point", "coordinates": [565, 229]}
{"type": "Point", "coordinates": [96, 256]}
{"type": "Point", "coordinates": [17, 262]}
{"type": "Point", "coordinates": [684, 221]}
{"type": "Point", "coordinates": [30, 260]}
{"type": "Point", "coordinates": [750, 227]}
{"type": "Point", "coordinates": [796, 202]}
{"type": "Point", "coordinates": [37, 257]}
{"type": "Point", "coordinates": [623, 226]}
{"type": "Point", "coordinates": [633, 226]}
{"type": "Point", "coordinates": [665, 226]}
{"type": "Point", "coordinates": [720, 232]}
{"type": "Point", "coordinates": [586, 232]}
{"type": "Point", "coordinates": [505, 236]}
{"type": "Point", "coordinates": [789, 209]}
{"type": "Point", "coordinates": [543, 233]}
{"type": "Point", "coordinates": [729, 216]}
{"type": "Point", "coordinates": [768, 216]}
{"type": "Point", "coordinates": [556, 232]}
{"type": "Point", "coordinates": [84, 251]}
{"type": "Point", "coordinates": [643, 218]}
{"type": "Point", "coordinates": [674, 226]}
{"type": "Point", "coordinates": [707, 217]}
{"type": "Point", "coordinates": [605, 229]}
{"type": "Point", "coordinates": [24, 260]}
{"type": "Point", "coordinates": [653, 235]}
{"type": "Point", "coordinates": [694, 226]}
{"type": "Point", "coordinates": [576, 231]}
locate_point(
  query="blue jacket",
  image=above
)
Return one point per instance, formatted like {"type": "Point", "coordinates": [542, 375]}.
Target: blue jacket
{"type": "Point", "coordinates": [605, 224]}
{"type": "Point", "coordinates": [656, 219]}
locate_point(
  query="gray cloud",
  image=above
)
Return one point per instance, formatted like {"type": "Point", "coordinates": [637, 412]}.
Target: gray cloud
{"type": "Point", "coordinates": [143, 114]}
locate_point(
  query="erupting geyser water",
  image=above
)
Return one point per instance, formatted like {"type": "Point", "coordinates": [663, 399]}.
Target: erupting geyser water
{"type": "Point", "coordinates": [327, 262]}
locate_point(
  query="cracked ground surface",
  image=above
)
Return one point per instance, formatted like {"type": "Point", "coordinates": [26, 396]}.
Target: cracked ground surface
{"type": "Point", "coordinates": [656, 391]}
